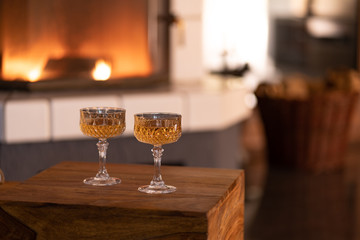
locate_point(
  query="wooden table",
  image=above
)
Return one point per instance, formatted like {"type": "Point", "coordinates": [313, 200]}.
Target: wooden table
{"type": "Point", "coordinates": [55, 204]}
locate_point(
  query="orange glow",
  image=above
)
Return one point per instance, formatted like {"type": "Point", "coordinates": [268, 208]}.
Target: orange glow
{"type": "Point", "coordinates": [17, 68]}
{"type": "Point", "coordinates": [34, 75]}
{"type": "Point", "coordinates": [102, 71]}
{"type": "Point", "coordinates": [31, 38]}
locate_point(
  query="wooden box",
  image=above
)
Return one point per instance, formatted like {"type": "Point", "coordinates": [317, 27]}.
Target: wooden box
{"type": "Point", "coordinates": [56, 204]}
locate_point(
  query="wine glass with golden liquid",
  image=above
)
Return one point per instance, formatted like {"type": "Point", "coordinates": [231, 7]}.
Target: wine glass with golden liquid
{"type": "Point", "coordinates": [102, 123]}
{"type": "Point", "coordinates": [157, 129]}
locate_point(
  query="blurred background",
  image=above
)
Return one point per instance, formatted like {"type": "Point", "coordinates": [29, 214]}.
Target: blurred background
{"type": "Point", "coordinates": [269, 86]}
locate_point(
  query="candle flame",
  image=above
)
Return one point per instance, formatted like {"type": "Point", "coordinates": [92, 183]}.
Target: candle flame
{"type": "Point", "coordinates": [102, 71]}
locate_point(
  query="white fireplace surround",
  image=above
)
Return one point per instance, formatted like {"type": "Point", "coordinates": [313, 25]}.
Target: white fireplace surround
{"type": "Point", "coordinates": [30, 117]}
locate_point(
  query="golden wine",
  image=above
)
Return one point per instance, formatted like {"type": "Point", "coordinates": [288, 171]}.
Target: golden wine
{"type": "Point", "coordinates": [102, 122]}
{"type": "Point", "coordinates": [157, 135]}
{"type": "Point", "coordinates": [102, 131]}
{"type": "Point", "coordinates": [158, 131]}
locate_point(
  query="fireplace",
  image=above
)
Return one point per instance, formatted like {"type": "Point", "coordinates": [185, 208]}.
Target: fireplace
{"type": "Point", "coordinates": [62, 44]}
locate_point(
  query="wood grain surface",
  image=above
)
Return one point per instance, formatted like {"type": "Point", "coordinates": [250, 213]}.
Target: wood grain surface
{"type": "Point", "coordinates": [55, 204]}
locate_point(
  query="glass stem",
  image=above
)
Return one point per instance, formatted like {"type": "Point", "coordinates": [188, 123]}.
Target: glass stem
{"type": "Point", "coordinates": [102, 147]}
{"type": "Point", "coordinates": [157, 153]}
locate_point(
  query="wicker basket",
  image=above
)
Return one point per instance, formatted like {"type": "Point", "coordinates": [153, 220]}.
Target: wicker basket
{"type": "Point", "coordinates": [309, 134]}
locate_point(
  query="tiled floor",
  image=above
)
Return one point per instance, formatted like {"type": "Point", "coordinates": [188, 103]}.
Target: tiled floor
{"type": "Point", "coordinates": [285, 204]}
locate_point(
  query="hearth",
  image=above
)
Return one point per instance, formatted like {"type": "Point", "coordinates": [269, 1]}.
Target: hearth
{"type": "Point", "coordinates": [66, 44]}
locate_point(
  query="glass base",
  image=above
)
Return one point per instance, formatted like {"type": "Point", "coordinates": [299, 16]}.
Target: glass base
{"type": "Point", "coordinates": [157, 189]}
{"type": "Point", "coordinates": [102, 181]}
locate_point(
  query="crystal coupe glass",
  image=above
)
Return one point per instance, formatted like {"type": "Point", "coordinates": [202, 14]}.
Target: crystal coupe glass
{"type": "Point", "coordinates": [157, 129]}
{"type": "Point", "coordinates": [102, 123]}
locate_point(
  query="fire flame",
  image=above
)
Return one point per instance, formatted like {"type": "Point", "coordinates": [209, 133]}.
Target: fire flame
{"type": "Point", "coordinates": [130, 56]}
{"type": "Point", "coordinates": [34, 75]}
{"type": "Point", "coordinates": [102, 71]}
